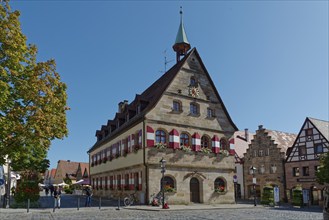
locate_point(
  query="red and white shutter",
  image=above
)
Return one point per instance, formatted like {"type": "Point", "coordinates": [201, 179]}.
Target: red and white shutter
{"type": "Point", "coordinates": [140, 138]}
{"type": "Point", "coordinates": [232, 149]}
{"type": "Point", "coordinates": [129, 144]}
{"type": "Point", "coordinates": [140, 180]}
{"type": "Point", "coordinates": [196, 142]}
{"type": "Point", "coordinates": [215, 144]}
{"type": "Point", "coordinates": [174, 139]}
{"type": "Point", "coordinates": [132, 140]}
{"type": "Point", "coordinates": [149, 136]}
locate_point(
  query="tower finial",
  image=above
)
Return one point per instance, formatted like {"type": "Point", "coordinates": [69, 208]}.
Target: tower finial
{"type": "Point", "coordinates": [181, 45]}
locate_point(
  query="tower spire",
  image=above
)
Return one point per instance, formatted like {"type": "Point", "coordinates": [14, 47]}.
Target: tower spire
{"type": "Point", "coordinates": [181, 45]}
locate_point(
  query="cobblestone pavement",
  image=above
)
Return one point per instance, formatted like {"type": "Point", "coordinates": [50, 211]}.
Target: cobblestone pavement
{"type": "Point", "coordinates": [69, 211]}
{"type": "Point", "coordinates": [112, 213]}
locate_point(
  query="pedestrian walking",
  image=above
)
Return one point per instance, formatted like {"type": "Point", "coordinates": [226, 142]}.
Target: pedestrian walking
{"type": "Point", "coordinates": [89, 193]}
{"type": "Point", "coordinates": [57, 197]}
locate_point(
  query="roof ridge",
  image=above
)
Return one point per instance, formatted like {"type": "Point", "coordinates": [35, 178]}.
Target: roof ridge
{"type": "Point", "coordinates": [318, 119]}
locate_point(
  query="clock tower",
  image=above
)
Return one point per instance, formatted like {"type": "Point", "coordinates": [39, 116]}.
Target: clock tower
{"type": "Point", "coordinates": [181, 45]}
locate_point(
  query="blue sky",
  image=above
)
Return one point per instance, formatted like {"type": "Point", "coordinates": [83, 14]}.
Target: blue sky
{"type": "Point", "coordinates": [268, 59]}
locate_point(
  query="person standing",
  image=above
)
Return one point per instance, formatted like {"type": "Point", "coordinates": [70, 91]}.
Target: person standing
{"type": "Point", "coordinates": [88, 194]}
{"type": "Point", "coordinates": [57, 197]}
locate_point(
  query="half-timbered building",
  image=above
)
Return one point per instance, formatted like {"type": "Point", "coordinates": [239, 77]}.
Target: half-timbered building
{"type": "Point", "coordinates": [303, 159]}
{"type": "Point", "coordinates": [181, 119]}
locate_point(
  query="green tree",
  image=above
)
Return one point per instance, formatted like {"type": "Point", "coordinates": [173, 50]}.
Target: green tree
{"type": "Point", "coordinates": [32, 98]}
{"type": "Point", "coordinates": [323, 172]}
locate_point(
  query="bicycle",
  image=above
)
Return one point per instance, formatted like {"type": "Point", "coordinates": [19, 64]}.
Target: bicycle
{"type": "Point", "coordinates": [130, 199]}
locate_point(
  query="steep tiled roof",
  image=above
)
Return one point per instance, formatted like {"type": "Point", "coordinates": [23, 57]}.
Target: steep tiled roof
{"type": "Point", "coordinates": [282, 139]}
{"type": "Point", "coordinates": [240, 145]}
{"type": "Point", "coordinates": [65, 167]}
{"type": "Point", "coordinates": [52, 173]}
{"type": "Point", "coordinates": [153, 94]}
{"type": "Point", "coordinates": [84, 166]}
{"type": "Point", "coordinates": [322, 126]}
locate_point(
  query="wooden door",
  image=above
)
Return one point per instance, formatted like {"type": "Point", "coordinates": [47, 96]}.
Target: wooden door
{"type": "Point", "coordinates": [195, 190]}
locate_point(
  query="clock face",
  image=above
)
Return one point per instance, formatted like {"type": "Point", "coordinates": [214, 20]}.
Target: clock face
{"type": "Point", "coordinates": [194, 91]}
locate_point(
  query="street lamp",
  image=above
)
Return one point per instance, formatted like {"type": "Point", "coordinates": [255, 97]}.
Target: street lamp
{"type": "Point", "coordinates": [8, 183]}
{"type": "Point", "coordinates": [252, 171]}
{"type": "Point", "coordinates": [163, 170]}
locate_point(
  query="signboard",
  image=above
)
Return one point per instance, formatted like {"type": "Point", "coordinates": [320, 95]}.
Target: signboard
{"type": "Point", "coordinates": [254, 180]}
{"type": "Point", "coordinates": [2, 181]}
{"type": "Point", "coordinates": [276, 194]}
{"type": "Point", "coordinates": [2, 190]}
{"type": "Point", "coordinates": [235, 179]}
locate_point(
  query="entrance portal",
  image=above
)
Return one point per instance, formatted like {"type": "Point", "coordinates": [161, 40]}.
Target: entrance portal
{"type": "Point", "coordinates": [195, 190]}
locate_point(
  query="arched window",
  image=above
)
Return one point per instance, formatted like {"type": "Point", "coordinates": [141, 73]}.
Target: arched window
{"type": "Point", "coordinates": [205, 142]}
{"type": "Point", "coordinates": [184, 139]}
{"type": "Point", "coordinates": [160, 136]}
{"type": "Point", "coordinates": [220, 185]}
{"type": "Point", "coordinates": [224, 144]}
{"type": "Point", "coordinates": [169, 184]}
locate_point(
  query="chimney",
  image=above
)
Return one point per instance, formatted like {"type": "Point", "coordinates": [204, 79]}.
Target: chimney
{"type": "Point", "coordinates": [246, 134]}
{"type": "Point", "coordinates": [120, 107]}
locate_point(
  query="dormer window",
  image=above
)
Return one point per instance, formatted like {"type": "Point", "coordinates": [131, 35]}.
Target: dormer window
{"type": "Point", "coordinates": [127, 117]}
{"type": "Point", "coordinates": [138, 109]}
{"type": "Point", "coordinates": [99, 137]}
{"type": "Point", "coordinates": [118, 123]}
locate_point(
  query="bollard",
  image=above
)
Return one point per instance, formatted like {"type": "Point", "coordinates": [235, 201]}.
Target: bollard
{"type": "Point", "coordinates": [100, 202]}
{"type": "Point", "coordinates": [118, 204]}
{"type": "Point", "coordinates": [28, 205]}
{"type": "Point", "coordinates": [54, 206]}
{"type": "Point", "coordinates": [78, 202]}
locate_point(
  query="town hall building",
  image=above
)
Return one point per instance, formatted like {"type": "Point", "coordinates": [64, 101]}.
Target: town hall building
{"type": "Point", "coordinates": [180, 119]}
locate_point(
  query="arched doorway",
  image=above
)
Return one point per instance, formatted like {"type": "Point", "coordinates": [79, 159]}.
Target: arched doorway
{"type": "Point", "coordinates": [195, 190]}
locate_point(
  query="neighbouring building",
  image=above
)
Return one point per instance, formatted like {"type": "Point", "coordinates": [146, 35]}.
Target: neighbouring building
{"type": "Point", "coordinates": [303, 159]}
{"type": "Point", "coordinates": [83, 172]}
{"type": "Point", "coordinates": [240, 142]}
{"type": "Point", "coordinates": [67, 169]}
{"type": "Point", "coordinates": [181, 119]}
{"type": "Point", "coordinates": [266, 153]}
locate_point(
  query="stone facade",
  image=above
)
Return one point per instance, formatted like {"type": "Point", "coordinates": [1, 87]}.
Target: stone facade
{"type": "Point", "coordinates": [267, 154]}
{"type": "Point", "coordinates": [182, 108]}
